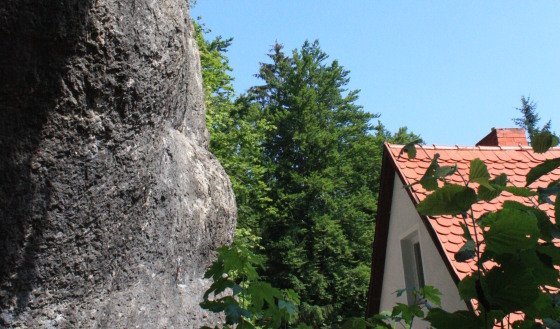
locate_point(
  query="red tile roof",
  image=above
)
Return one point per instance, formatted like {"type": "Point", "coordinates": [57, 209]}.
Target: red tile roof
{"type": "Point", "coordinates": [515, 162]}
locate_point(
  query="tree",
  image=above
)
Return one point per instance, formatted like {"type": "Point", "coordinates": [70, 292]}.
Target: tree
{"type": "Point", "coordinates": [530, 118]}
{"type": "Point", "coordinates": [236, 129]}
{"type": "Point", "coordinates": [305, 169]}
{"type": "Point", "coordinates": [541, 138]}
{"type": "Point", "coordinates": [322, 183]}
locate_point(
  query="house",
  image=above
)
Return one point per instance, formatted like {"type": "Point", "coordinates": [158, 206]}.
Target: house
{"type": "Point", "coordinates": [414, 250]}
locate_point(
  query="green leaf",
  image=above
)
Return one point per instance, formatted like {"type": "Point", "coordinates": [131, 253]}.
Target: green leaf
{"type": "Point", "coordinates": [542, 307]}
{"type": "Point", "coordinates": [219, 286]}
{"type": "Point", "coordinates": [478, 173]}
{"type": "Point", "coordinates": [466, 232]}
{"type": "Point", "coordinates": [441, 319]}
{"type": "Point", "coordinates": [542, 169]}
{"type": "Point", "coordinates": [429, 180]}
{"type": "Point", "coordinates": [290, 308]}
{"type": "Point", "coordinates": [410, 149]}
{"type": "Point", "coordinates": [261, 292]}
{"type": "Point", "coordinates": [467, 288]}
{"type": "Point", "coordinates": [511, 231]}
{"type": "Point", "coordinates": [407, 312]}
{"type": "Point", "coordinates": [467, 251]}
{"type": "Point", "coordinates": [542, 141]}
{"type": "Point", "coordinates": [520, 191]}
{"type": "Point", "coordinates": [400, 292]}
{"type": "Point", "coordinates": [411, 152]}
{"type": "Point", "coordinates": [445, 171]}
{"type": "Point", "coordinates": [235, 312]}
{"type": "Point", "coordinates": [451, 199]}
{"type": "Point", "coordinates": [356, 323]}
{"type": "Point", "coordinates": [498, 183]}
{"type": "Point", "coordinates": [431, 294]}
{"type": "Point", "coordinates": [237, 289]}
{"type": "Point", "coordinates": [550, 323]}
{"type": "Point", "coordinates": [547, 229]}
{"type": "Point", "coordinates": [218, 305]}
{"type": "Point", "coordinates": [545, 193]}
{"type": "Point", "coordinates": [510, 289]}
{"type": "Point", "coordinates": [303, 326]}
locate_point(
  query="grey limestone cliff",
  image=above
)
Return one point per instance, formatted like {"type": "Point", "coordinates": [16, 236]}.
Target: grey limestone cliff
{"type": "Point", "coordinates": [105, 176]}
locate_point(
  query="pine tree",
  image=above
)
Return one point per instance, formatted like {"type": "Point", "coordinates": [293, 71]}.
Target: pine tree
{"type": "Point", "coordinates": [530, 118]}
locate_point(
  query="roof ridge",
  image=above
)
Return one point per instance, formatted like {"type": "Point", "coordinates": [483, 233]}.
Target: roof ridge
{"type": "Point", "coordinates": [467, 148]}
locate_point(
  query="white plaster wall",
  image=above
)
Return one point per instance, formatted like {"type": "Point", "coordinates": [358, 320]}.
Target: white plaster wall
{"type": "Point", "coordinates": [405, 220]}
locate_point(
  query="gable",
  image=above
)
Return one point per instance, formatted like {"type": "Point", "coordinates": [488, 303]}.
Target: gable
{"type": "Point", "coordinates": [407, 225]}
{"type": "Point", "coordinates": [446, 231]}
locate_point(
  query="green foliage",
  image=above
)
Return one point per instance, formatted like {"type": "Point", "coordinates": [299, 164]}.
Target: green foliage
{"type": "Point", "coordinates": [322, 172]}
{"type": "Point", "coordinates": [541, 138]}
{"type": "Point", "coordinates": [530, 119]}
{"type": "Point", "coordinates": [238, 291]}
{"type": "Point", "coordinates": [237, 128]}
{"type": "Point", "coordinates": [518, 239]}
{"type": "Point", "coordinates": [304, 162]}
{"type": "Point", "coordinates": [542, 169]}
{"type": "Point", "coordinates": [451, 199]}
{"type": "Point", "coordinates": [426, 299]}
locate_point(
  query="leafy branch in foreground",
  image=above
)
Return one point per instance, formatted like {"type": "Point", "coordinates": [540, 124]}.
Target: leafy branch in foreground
{"type": "Point", "coordinates": [403, 314]}
{"type": "Point", "coordinates": [517, 258]}
{"type": "Point", "coordinates": [237, 291]}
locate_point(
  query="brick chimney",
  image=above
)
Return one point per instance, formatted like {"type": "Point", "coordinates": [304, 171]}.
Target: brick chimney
{"type": "Point", "coordinates": [505, 137]}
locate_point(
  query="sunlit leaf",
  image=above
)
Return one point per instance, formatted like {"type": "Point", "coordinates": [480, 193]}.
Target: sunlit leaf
{"type": "Point", "coordinates": [478, 173]}
{"type": "Point", "coordinates": [431, 294]}
{"type": "Point", "coordinates": [445, 171]}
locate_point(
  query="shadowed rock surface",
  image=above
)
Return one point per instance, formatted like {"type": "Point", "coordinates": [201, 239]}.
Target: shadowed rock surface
{"type": "Point", "coordinates": [105, 176]}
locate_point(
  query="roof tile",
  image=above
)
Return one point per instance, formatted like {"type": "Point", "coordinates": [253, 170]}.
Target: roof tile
{"type": "Point", "coordinates": [514, 161]}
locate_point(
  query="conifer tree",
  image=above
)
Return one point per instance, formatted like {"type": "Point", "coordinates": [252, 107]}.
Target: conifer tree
{"type": "Point", "coordinates": [236, 127]}
{"type": "Point", "coordinates": [304, 161]}
{"type": "Point", "coordinates": [323, 181]}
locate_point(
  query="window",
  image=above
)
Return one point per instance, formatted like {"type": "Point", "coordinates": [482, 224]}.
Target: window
{"type": "Point", "coordinates": [412, 264]}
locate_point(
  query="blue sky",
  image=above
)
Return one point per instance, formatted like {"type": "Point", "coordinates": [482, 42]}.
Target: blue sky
{"type": "Point", "coordinates": [448, 70]}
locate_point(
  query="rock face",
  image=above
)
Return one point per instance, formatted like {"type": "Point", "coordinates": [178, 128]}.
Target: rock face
{"type": "Point", "coordinates": [105, 176]}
